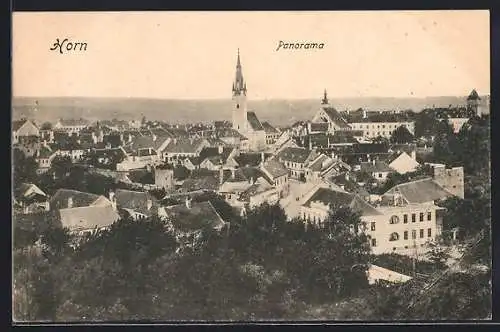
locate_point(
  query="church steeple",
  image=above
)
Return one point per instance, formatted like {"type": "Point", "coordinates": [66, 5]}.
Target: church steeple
{"type": "Point", "coordinates": [239, 85]}
{"type": "Point", "coordinates": [324, 101]}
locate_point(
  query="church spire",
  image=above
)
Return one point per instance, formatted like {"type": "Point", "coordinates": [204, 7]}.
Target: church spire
{"type": "Point", "coordinates": [324, 101]}
{"type": "Point", "coordinates": [239, 85]}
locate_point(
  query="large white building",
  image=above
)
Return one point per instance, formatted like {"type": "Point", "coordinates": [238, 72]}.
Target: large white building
{"type": "Point", "coordinates": [384, 129]}
{"type": "Point", "coordinates": [245, 122]}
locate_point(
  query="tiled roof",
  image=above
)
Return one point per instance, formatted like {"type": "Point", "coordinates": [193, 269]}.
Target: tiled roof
{"type": "Point", "coordinates": [268, 128]}
{"type": "Point", "coordinates": [229, 132]}
{"type": "Point", "coordinates": [197, 217]}
{"type": "Point", "coordinates": [408, 148]}
{"type": "Point", "coordinates": [328, 196]}
{"type": "Point", "coordinates": [145, 142]}
{"type": "Point", "coordinates": [256, 188]}
{"type": "Point", "coordinates": [18, 124]}
{"type": "Point", "coordinates": [319, 126]}
{"type": "Point", "coordinates": [254, 121]}
{"type": "Point", "coordinates": [336, 118]}
{"type": "Point", "coordinates": [374, 167]}
{"type": "Point", "coordinates": [297, 155]}
{"type": "Point", "coordinates": [320, 163]}
{"type": "Point", "coordinates": [275, 168]}
{"type": "Point", "coordinates": [214, 153]}
{"type": "Point", "coordinates": [207, 182]}
{"type": "Point", "coordinates": [88, 217]}
{"type": "Point", "coordinates": [24, 187]}
{"type": "Point", "coordinates": [136, 201]}
{"type": "Point", "coordinates": [60, 199]}
{"type": "Point", "coordinates": [420, 191]}
{"type": "Point", "coordinates": [183, 145]}
{"type": "Point", "coordinates": [371, 148]}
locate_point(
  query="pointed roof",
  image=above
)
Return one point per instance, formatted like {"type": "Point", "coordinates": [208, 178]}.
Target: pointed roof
{"type": "Point", "coordinates": [324, 101]}
{"type": "Point", "coordinates": [239, 84]}
{"type": "Point", "coordinates": [473, 95]}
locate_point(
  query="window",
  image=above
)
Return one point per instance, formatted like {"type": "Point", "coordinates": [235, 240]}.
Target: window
{"type": "Point", "coordinates": [372, 226]}
{"type": "Point", "coordinates": [429, 215]}
{"type": "Point", "coordinates": [413, 217]}
{"type": "Point", "coordinates": [413, 234]}
{"type": "Point", "coordinates": [383, 126]}
{"type": "Point", "coordinates": [429, 232]}
{"type": "Point", "coordinates": [394, 237]}
{"type": "Point", "coordinates": [405, 219]}
{"type": "Point", "coordinates": [405, 235]}
{"type": "Point", "coordinates": [421, 216]}
{"type": "Point", "coordinates": [394, 220]}
{"type": "Point", "coordinates": [421, 233]}
{"type": "Point", "coordinates": [374, 242]}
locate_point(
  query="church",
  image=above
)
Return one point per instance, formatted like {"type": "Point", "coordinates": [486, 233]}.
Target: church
{"type": "Point", "coordinates": [244, 121]}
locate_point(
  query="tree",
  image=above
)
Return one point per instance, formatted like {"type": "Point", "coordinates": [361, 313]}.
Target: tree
{"type": "Point", "coordinates": [181, 173]}
{"type": "Point", "coordinates": [61, 166]}
{"type": "Point", "coordinates": [24, 168]}
{"type": "Point", "coordinates": [402, 136]}
{"type": "Point", "coordinates": [46, 126]}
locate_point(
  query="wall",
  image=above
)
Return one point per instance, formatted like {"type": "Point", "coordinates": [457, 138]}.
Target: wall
{"type": "Point", "coordinates": [451, 179]}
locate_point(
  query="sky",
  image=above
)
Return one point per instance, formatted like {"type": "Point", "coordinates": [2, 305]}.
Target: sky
{"type": "Point", "coordinates": [192, 55]}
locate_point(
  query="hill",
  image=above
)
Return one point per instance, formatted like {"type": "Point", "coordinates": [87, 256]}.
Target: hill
{"type": "Point", "coordinates": [278, 112]}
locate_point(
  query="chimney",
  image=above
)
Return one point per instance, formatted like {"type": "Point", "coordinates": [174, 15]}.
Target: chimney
{"type": "Point", "coordinates": [175, 140]}
{"type": "Point", "coordinates": [111, 195]}
{"type": "Point", "coordinates": [364, 114]}
{"type": "Point", "coordinates": [70, 202]}
{"type": "Point", "coordinates": [221, 149]}
{"type": "Point", "coordinates": [154, 138]}
{"type": "Point", "coordinates": [262, 157]}
{"type": "Point", "coordinates": [47, 206]}
{"type": "Point", "coordinates": [347, 176]}
{"type": "Point", "coordinates": [232, 173]}
{"type": "Point", "coordinates": [221, 176]}
{"type": "Point", "coordinates": [149, 204]}
{"type": "Point", "coordinates": [188, 202]}
{"type": "Point", "coordinates": [373, 161]}
{"type": "Point", "coordinates": [310, 143]}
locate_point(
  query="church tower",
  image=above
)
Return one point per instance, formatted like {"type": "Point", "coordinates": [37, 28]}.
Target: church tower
{"type": "Point", "coordinates": [324, 101]}
{"type": "Point", "coordinates": [239, 99]}
{"type": "Point", "coordinates": [473, 102]}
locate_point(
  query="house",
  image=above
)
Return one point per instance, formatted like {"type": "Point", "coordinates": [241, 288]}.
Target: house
{"type": "Point", "coordinates": [85, 219]}
{"type": "Point", "coordinates": [137, 204]}
{"type": "Point", "coordinates": [220, 157]}
{"type": "Point", "coordinates": [178, 149]}
{"type": "Point", "coordinates": [44, 158]}
{"type": "Point", "coordinates": [373, 129]}
{"type": "Point", "coordinates": [68, 199]}
{"type": "Point", "coordinates": [188, 220]}
{"type": "Point", "coordinates": [378, 169]}
{"type": "Point", "coordinates": [394, 226]}
{"type": "Point", "coordinates": [296, 160]}
{"type": "Point", "coordinates": [143, 151]}
{"type": "Point", "coordinates": [320, 166]}
{"type": "Point", "coordinates": [24, 128]}
{"type": "Point", "coordinates": [402, 163]}
{"type": "Point", "coordinates": [285, 140]}
{"type": "Point", "coordinates": [31, 198]}
{"type": "Point", "coordinates": [71, 126]}
{"type": "Point", "coordinates": [277, 174]}
{"type": "Point", "coordinates": [329, 115]}
{"type": "Point", "coordinates": [232, 185]}
{"type": "Point", "coordinates": [260, 192]}
{"type": "Point", "coordinates": [250, 159]}
{"type": "Point", "coordinates": [272, 134]}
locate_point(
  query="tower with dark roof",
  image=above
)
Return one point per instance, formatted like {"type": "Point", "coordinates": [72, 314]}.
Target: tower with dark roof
{"type": "Point", "coordinates": [473, 102]}
{"type": "Point", "coordinates": [239, 98]}
{"type": "Point", "coordinates": [324, 101]}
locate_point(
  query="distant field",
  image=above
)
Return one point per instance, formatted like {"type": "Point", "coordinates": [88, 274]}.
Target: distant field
{"type": "Point", "coordinates": [278, 112]}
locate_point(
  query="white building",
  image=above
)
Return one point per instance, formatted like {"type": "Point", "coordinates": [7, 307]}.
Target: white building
{"type": "Point", "coordinates": [384, 129]}
{"type": "Point", "coordinates": [23, 128]}
{"type": "Point", "coordinates": [71, 126]}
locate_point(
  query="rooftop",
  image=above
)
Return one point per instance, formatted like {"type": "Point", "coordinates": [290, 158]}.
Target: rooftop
{"type": "Point", "coordinates": [80, 199]}
{"type": "Point", "coordinates": [328, 196]}
{"type": "Point", "coordinates": [420, 191]}
{"type": "Point", "coordinates": [196, 217]}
